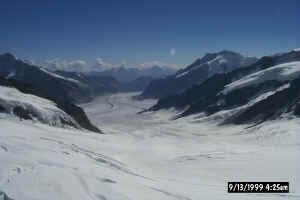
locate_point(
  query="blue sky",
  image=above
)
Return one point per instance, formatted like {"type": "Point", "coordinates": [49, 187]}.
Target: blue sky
{"type": "Point", "coordinates": [174, 32]}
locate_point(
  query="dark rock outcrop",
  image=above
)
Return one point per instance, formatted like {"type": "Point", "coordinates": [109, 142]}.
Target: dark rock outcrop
{"type": "Point", "coordinates": [272, 107]}
{"type": "Point", "coordinates": [78, 115]}
{"type": "Point", "coordinates": [3, 196]}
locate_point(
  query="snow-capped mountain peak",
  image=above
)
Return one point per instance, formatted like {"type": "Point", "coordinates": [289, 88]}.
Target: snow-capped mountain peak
{"type": "Point", "coordinates": [199, 71]}
{"type": "Point", "coordinates": [221, 62]}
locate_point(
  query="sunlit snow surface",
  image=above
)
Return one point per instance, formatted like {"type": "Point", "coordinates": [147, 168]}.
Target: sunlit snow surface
{"type": "Point", "coordinates": [146, 156]}
{"type": "Point", "coordinates": [282, 72]}
{"type": "Point", "coordinates": [44, 110]}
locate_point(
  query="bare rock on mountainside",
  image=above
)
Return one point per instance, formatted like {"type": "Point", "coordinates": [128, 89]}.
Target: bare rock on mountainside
{"type": "Point", "coordinates": [28, 102]}
{"type": "Point", "coordinates": [264, 90]}
{"type": "Point", "coordinates": [3, 196]}
{"type": "Point", "coordinates": [196, 73]}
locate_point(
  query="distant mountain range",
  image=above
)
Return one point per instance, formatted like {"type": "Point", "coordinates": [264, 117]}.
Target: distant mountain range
{"type": "Point", "coordinates": [121, 72]}
{"type": "Point", "coordinates": [246, 88]}
{"type": "Point", "coordinates": [196, 73]}
{"type": "Point", "coordinates": [36, 93]}
{"type": "Point", "coordinates": [124, 74]}
{"type": "Point", "coordinates": [79, 86]}
{"type": "Point", "coordinates": [75, 87]}
{"type": "Point", "coordinates": [266, 89]}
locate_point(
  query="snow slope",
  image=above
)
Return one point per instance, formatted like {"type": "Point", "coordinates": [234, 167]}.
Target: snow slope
{"type": "Point", "coordinates": [222, 62]}
{"type": "Point", "coordinates": [145, 156]}
{"type": "Point", "coordinates": [282, 72]}
{"type": "Point", "coordinates": [58, 76]}
{"type": "Point", "coordinates": [42, 110]}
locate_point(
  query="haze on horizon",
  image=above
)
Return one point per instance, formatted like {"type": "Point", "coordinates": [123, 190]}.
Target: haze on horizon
{"type": "Point", "coordinates": [136, 32]}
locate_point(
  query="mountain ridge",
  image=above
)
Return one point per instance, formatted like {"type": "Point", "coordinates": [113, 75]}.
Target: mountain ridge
{"type": "Point", "coordinates": [13, 102]}
{"type": "Point", "coordinates": [61, 85]}
{"type": "Point", "coordinates": [129, 74]}
{"type": "Point", "coordinates": [269, 79]}
{"type": "Point", "coordinates": [195, 73]}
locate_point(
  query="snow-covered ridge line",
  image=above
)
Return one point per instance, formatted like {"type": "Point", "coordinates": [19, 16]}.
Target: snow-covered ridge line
{"type": "Point", "coordinates": [39, 109]}
{"type": "Point", "coordinates": [298, 49]}
{"type": "Point", "coordinates": [182, 74]}
{"type": "Point", "coordinates": [58, 76]}
{"type": "Point", "coordinates": [223, 62]}
{"type": "Point", "coordinates": [282, 72]}
{"type": "Point", "coordinates": [41, 68]}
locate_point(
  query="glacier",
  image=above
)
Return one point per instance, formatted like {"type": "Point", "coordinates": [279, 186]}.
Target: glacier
{"type": "Point", "coordinates": [145, 156]}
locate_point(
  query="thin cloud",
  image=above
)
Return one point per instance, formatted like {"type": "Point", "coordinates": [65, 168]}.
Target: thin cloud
{"type": "Point", "coordinates": [58, 64]}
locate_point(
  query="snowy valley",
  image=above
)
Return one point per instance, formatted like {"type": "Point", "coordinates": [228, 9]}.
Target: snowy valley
{"type": "Point", "coordinates": [182, 147]}
{"type": "Point", "coordinates": [149, 100]}
{"type": "Point", "coordinates": [145, 156]}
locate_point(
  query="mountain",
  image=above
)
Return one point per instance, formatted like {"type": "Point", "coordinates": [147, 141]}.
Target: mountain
{"type": "Point", "coordinates": [64, 86]}
{"type": "Point", "coordinates": [138, 84]}
{"type": "Point", "coordinates": [98, 85]}
{"type": "Point", "coordinates": [25, 101]}
{"type": "Point", "coordinates": [140, 155]}
{"type": "Point", "coordinates": [196, 73]}
{"type": "Point", "coordinates": [124, 74]}
{"type": "Point", "coordinates": [264, 90]}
